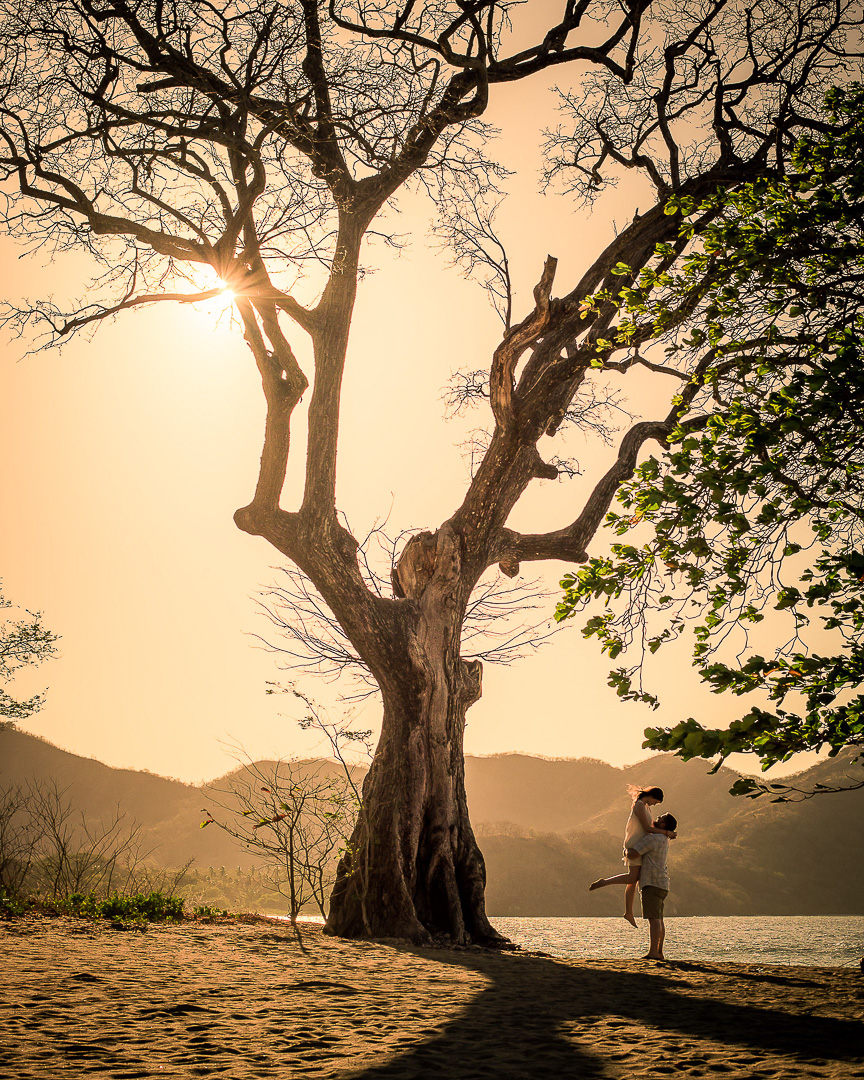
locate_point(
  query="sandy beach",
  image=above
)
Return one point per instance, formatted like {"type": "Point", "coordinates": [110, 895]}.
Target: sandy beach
{"type": "Point", "coordinates": [245, 1000]}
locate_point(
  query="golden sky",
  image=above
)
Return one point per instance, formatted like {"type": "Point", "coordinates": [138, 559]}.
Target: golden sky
{"type": "Point", "coordinates": [123, 459]}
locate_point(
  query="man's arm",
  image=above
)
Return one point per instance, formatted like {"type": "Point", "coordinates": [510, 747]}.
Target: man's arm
{"type": "Point", "coordinates": [649, 842]}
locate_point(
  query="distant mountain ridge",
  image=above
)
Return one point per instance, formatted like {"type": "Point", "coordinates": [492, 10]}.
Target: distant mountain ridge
{"type": "Point", "coordinates": [547, 827]}
{"type": "Point", "coordinates": [563, 794]}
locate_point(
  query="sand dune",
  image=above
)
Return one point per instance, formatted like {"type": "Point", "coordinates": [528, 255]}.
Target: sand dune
{"type": "Point", "coordinates": [246, 1000]}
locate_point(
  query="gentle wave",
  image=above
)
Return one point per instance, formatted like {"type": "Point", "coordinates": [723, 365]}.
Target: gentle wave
{"type": "Point", "coordinates": [809, 940]}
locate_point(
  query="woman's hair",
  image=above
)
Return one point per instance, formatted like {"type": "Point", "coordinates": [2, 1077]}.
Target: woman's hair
{"type": "Point", "coordinates": [636, 792]}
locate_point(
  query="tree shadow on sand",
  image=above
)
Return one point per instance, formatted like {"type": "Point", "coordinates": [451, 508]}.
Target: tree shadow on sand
{"type": "Point", "coordinates": [540, 1019]}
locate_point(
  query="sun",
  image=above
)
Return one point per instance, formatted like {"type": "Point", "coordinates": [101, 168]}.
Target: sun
{"type": "Point", "coordinates": [216, 299]}
{"type": "Point", "coordinates": [217, 303]}
{"type": "Point", "coordinates": [224, 302]}
{"type": "Point", "coordinates": [227, 295]}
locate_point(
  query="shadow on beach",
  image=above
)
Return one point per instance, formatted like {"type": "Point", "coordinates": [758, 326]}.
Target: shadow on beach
{"type": "Point", "coordinates": [544, 1019]}
{"type": "Point", "coordinates": [244, 1001]}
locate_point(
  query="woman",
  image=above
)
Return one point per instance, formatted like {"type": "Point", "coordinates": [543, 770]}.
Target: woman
{"type": "Point", "coordinates": [638, 824]}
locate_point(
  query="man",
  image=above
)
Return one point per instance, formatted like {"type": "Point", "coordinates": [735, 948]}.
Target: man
{"type": "Point", "coordinates": [654, 880]}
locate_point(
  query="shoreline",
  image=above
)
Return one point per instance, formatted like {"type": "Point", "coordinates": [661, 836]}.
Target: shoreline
{"type": "Point", "coordinates": [785, 940]}
{"type": "Point", "coordinates": [243, 999]}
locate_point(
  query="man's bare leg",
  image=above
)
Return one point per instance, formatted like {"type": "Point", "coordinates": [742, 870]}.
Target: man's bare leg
{"type": "Point", "coordinates": [658, 934]}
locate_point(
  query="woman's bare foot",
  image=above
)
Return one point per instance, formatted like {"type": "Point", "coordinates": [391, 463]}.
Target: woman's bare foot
{"type": "Point", "coordinates": [598, 884]}
{"type": "Point", "coordinates": [628, 915]}
{"type": "Point", "coordinates": [652, 956]}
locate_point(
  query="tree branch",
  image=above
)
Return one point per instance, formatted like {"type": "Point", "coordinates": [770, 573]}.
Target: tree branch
{"type": "Point", "coordinates": [569, 544]}
{"type": "Point", "coordinates": [515, 342]}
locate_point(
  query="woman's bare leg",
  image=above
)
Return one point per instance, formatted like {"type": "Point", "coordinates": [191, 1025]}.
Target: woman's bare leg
{"type": "Point", "coordinates": [630, 878]}
{"type": "Point", "coordinates": [629, 897]}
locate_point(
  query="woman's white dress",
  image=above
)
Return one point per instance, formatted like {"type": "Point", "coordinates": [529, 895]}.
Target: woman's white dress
{"type": "Point", "coordinates": [633, 832]}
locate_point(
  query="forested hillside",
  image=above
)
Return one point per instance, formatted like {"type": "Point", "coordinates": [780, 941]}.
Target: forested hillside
{"type": "Point", "coordinates": [547, 828]}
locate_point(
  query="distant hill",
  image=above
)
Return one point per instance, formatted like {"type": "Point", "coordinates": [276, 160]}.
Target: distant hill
{"type": "Point", "coordinates": [547, 827]}
{"type": "Point", "coordinates": [169, 810]}
{"type": "Point", "coordinates": [564, 794]}
{"type": "Point", "coordinates": [732, 855]}
{"type": "Point", "coordinates": [96, 788]}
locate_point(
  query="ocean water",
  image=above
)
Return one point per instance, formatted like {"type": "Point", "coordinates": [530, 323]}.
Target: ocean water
{"type": "Point", "coordinates": [808, 940]}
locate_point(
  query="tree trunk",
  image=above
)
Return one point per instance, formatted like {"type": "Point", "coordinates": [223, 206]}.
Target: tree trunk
{"type": "Point", "coordinates": [413, 868]}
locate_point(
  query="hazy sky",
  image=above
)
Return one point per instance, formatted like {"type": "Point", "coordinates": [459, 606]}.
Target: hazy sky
{"type": "Point", "coordinates": [123, 459]}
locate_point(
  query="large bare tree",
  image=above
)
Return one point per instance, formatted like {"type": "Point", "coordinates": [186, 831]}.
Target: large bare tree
{"type": "Point", "coordinates": [191, 143]}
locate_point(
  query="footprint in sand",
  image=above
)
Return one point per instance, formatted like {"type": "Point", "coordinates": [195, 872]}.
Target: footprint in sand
{"type": "Point", "coordinates": [326, 987]}
{"type": "Point", "coordinates": [183, 1008]}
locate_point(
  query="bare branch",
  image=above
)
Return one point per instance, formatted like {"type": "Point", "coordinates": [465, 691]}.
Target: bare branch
{"type": "Point", "coordinates": [516, 340]}
{"type": "Point", "coordinates": [569, 544]}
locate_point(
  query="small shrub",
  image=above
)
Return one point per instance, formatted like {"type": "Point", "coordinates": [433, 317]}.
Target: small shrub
{"type": "Point", "coordinates": [12, 906]}
{"type": "Point", "coordinates": [204, 911]}
{"type": "Point", "coordinates": [139, 909]}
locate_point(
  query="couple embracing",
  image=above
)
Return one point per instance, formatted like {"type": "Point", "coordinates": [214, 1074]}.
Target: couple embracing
{"type": "Point", "coordinates": [646, 846]}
